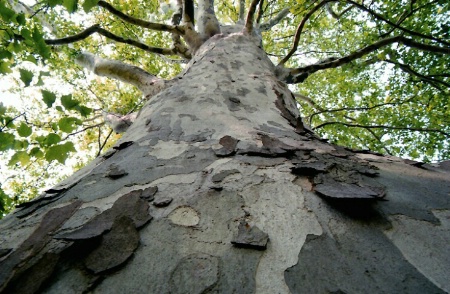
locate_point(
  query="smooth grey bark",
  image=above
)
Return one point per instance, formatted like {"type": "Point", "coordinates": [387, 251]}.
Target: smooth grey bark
{"type": "Point", "coordinates": [218, 188]}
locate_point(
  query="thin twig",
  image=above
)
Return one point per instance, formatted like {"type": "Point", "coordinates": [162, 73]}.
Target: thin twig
{"type": "Point", "coordinates": [300, 29]}
{"type": "Point", "coordinates": [382, 127]}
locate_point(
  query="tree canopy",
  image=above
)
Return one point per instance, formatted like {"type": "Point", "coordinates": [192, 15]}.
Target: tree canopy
{"type": "Point", "coordinates": [366, 74]}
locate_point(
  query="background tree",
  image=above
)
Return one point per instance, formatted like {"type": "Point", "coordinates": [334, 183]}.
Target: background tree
{"type": "Point", "coordinates": [219, 159]}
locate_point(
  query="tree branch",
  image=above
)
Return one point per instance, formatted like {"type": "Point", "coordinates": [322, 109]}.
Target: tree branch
{"type": "Point", "coordinates": [97, 29]}
{"type": "Point", "coordinates": [241, 10]}
{"type": "Point", "coordinates": [248, 28]}
{"type": "Point", "coordinates": [381, 18]}
{"type": "Point", "coordinates": [406, 68]}
{"type": "Point", "coordinates": [208, 25]}
{"type": "Point", "coordinates": [334, 14]}
{"type": "Point", "coordinates": [188, 12]}
{"type": "Point", "coordinates": [300, 74]}
{"type": "Point", "coordinates": [300, 29]}
{"type": "Point", "coordinates": [144, 81]}
{"type": "Point", "coordinates": [140, 22]}
{"type": "Point", "coordinates": [104, 142]}
{"type": "Point", "coordinates": [179, 47]}
{"type": "Point", "coordinates": [274, 21]}
{"type": "Point", "coordinates": [382, 127]}
{"type": "Point", "coordinates": [260, 11]}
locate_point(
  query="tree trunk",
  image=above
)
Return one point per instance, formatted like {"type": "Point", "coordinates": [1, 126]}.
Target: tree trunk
{"type": "Point", "coordinates": [218, 188]}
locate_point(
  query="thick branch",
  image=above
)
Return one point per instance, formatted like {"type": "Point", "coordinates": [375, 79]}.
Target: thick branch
{"type": "Point", "coordinates": [260, 11]}
{"type": "Point", "coordinates": [188, 12]}
{"type": "Point", "coordinates": [383, 127]}
{"type": "Point", "coordinates": [274, 21]}
{"type": "Point", "coordinates": [241, 10]}
{"type": "Point", "coordinates": [250, 15]}
{"type": "Point", "coordinates": [300, 74]}
{"type": "Point", "coordinates": [300, 29]}
{"type": "Point", "coordinates": [144, 81]}
{"type": "Point", "coordinates": [140, 22]}
{"type": "Point", "coordinates": [208, 25]}
{"type": "Point", "coordinates": [179, 47]}
{"type": "Point", "coordinates": [97, 29]}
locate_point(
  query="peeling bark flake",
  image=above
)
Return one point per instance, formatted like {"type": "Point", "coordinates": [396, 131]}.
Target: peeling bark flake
{"type": "Point", "coordinates": [115, 248]}
{"type": "Point", "coordinates": [228, 146]}
{"type": "Point", "coordinates": [23, 257]}
{"type": "Point", "coordinates": [250, 237]}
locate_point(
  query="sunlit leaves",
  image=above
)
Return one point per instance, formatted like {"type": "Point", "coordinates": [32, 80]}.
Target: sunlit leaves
{"type": "Point", "coordinates": [70, 5]}
{"type": "Point", "coordinates": [89, 4]}
{"type": "Point", "coordinates": [24, 130]}
{"type": "Point", "coordinates": [48, 97]}
{"type": "Point", "coordinates": [6, 141]}
{"type": "Point", "coordinates": [21, 157]}
{"type": "Point", "coordinates": [49, 140]}
{"type": "Point", "coordinates": [68, 124]}
{"type": "Point", "coordinates": [59, 152]}
{"type": "Point", "coordinates": [26, 76]}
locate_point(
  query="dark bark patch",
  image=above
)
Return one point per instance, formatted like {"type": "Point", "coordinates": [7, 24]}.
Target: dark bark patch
{"type": "Point", "coordinates": [250, 237]}
{"type": "Point", "coordinates": [191, 116]}
{"type": "Point", "coordinates": [311, 168]}
{"type": "Point", "coordinates": [445, 165]}
{"type": "Point", "coordinates": [115, 248]}
{"type": "Point", "coordinates": [358, 259]}
{"type": "Point", "coordinates": [23, 256]}
{"type": "Point", "coordinates": [114, 172]}
{"type": "Point", "coordinates": [4, 252]}
{"type": "Point", "coordinates": [196, 273]}
{"type": "Point", "coordinates": [228, 146]}
{"type": "Point", "coordinates": [109, 153]}
{"type": "Point", "coordinates": [163, 202]}
{"type": "Point", "coordinates": [329, 187]}
{"type": "Point", "coordinates": [149, 193]}
{"type": "Point", "coordinates": [414, 163]}
{"type": "Point", "coordinates": [33, 278]}
{"type": "Point", "coordinates": [293, 119]}
{"type": "Point", "coordinates": [218, 177]}
{"type": "Point", "coordinates": [123, 145]}
{"type": "Point", "coordinates": [130, 205]}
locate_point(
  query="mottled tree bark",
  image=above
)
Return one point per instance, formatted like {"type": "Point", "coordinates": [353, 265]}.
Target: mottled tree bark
{"type": "Point", "coordinates": [218, 188]}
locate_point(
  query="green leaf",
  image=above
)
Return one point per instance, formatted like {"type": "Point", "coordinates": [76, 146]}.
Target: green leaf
{"type": "Point", "coordinates": [59, 152]}
{"type": "Point", "coordinates": [20, 18]}
{"type": "Point", "coordinates": [36, 152]}
{"type": "Point", "coordinates": [53, 3]}
{"type": "Point", "coordinates": [68, 102]}
{"type": "Point", "coordinates": [26, 76]}
{"type": "Point", "coordinates": [6, 13]}
{"type": "Point", "coordinates": [48, 97]}
{"type": "Point", "coordinates": [83, 110]}
{"type": "Point", "coordinates": [24, 130]}
{"type": "Point", "coordinates": [19, 156]}
{"type": "Point", "coordinates": [68, 124]}
{"type": "Point", "coordinates": [50, 139]}
{"type": "Point", "coordinates": [70, 5]}
{"type": "Point", "coordinates": [88, 4]}
{"type": "Point", "coordinates": [5, 67]}
{"type": "Point", "coordinates": [6, 141]}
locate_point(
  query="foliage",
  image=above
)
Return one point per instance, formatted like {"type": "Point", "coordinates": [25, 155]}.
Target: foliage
{"type": "Point", "coordinates": [391, 100]}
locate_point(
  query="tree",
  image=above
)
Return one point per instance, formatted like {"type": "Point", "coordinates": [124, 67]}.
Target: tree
{"type": "Point", "coordinates": [219, 186]}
